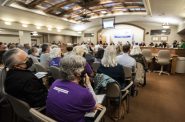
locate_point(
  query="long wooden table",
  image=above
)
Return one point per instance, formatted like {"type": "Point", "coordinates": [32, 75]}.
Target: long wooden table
{"type": "Point", "coordinates": [174, 54]}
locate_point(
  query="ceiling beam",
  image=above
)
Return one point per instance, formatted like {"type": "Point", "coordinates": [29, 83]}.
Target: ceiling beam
{"type": "Point", "coordinates": [65, 12]}
{"type": "Point", "coordinates": [56, 6]}
{"type": "Point", "coordinates": [34, 3]}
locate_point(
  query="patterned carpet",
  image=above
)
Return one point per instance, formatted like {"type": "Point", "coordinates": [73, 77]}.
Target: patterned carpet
{"type": "Point", "coordinates": [161, 100]}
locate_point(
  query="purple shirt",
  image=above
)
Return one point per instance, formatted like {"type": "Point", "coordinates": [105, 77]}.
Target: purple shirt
{"type": "Point", "coordinates": [68, 101]}
{"type": "Point", "coordinates": [88, 69]}
{"type": "Point", "coordinates": [55, 62]}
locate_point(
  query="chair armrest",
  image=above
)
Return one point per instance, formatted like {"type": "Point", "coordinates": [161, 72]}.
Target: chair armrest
{"type": "Point", "coordinates": [40, 109]}
{"type": "Point", "coordinates": [125, 94]}
{"type": "Point", "coordinates": [99, 117]}
{"type": "Point", "coordinates": [128, 86]}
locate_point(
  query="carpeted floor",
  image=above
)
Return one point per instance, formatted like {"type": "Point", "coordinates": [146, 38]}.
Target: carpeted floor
{"type": "Point", "coordinates": [161, 100]}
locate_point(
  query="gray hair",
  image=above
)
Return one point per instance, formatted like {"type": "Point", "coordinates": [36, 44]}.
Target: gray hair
{"type": "Point", "coordinates": [9, 57]}
{"type": "Point", "coordinates": [72, 65]}
{"type": "Point", "coordinates": [109, 57]}
{"type": "Point", "coordinates": [136, 50]}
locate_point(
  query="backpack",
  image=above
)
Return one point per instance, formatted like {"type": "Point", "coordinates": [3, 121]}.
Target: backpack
{"type": "Point", "coordinates": [100, 82]}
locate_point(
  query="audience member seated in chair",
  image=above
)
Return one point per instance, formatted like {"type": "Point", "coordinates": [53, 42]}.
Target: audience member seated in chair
{"type": "Point", "coordinates": [79, 50]}
{"type": "Point", "coordinates": [55, 56]}
{"type": "Point", "coordinates": [68, 99]}
{"type": "Point", "coordinates": [20, 82]}
{"type": "Point", "coordinates": [110, 67]}
{"type": "Point", "coordinates": [140, 65]}
{"type": "Point", "coordinates": [44, 57]}
{"type": "Point", "coordinates": [125, 59]}
{"type": "Point", "coordinates": [33, 53]}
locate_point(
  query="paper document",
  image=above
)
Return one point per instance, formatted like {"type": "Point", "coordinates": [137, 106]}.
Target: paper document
{"type": "Point", "coordinates": [41, 74]}
{"type": "Point", "coordinates": [100, 99]}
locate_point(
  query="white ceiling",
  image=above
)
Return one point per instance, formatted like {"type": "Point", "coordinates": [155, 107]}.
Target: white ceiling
{"type": "Point", "coordinates": [171, 11]}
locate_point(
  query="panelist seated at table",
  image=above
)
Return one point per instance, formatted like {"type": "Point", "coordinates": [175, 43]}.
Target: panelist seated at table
{"type": "Point", "coordinates": [69, 99]}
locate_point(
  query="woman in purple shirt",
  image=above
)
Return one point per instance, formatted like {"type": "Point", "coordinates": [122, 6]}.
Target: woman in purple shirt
{"type": "Point", "coordinates": [55, 55]}
{"type": "Point", "coordinates": [68, 101]}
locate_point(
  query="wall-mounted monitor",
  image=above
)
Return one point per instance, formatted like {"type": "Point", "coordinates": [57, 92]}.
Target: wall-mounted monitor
{"type": "Point", "coordinates": [108, 22]}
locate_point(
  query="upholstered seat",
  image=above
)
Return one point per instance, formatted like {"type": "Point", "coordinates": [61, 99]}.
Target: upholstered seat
{"type": "Point", "coordinates": [147, 54]}
{"type": "Point", "coordinates": [163, 58]}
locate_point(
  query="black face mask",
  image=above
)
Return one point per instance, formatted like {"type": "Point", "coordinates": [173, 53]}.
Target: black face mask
{"type": "Point", "coordinates": [29, 63]}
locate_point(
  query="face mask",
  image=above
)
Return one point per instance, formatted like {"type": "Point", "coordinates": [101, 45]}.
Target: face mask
{"type": "Point", "coordinates": [29, 63]}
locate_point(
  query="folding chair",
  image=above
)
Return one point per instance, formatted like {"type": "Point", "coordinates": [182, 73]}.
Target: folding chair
{"type": "Point", "coordinates": [115, 94]}
{"type": "Point", "coordinates": [20, 107]}
{"type": "Point", "coordinates": [100, 116]}
{"type": "Point", "coordinates": [39, 117]}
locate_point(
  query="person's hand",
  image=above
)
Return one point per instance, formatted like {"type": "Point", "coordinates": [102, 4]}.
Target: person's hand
{"type": "Point", "coordinates": [87, 80]}
{"type": "Point", "coordinates": [98, 106]}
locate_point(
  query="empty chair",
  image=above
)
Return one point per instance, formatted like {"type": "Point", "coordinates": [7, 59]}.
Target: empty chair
{"type": "Point", "coordinates": [39, 117]}
{"type": "Point", "coordinates": [55, 72]}
{"type": "Point", "coordinates": [163, 58]}
{"type": "Point", "coordinates": [147, 54]}
{"type": "Point", "coordinates": [130, 74]}
{"type": "Point", "coordinates": [101, 114]}
{"type": "Point", "coordinates": [20, 108]}
{"type": "Point", "coordinates": [115, 98]}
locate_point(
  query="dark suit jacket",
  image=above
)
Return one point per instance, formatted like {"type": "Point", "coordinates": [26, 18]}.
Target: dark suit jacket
{"type": "Point", "coordinates": [24, 85]}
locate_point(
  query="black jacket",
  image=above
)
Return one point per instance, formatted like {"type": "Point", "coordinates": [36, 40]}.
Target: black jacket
{"type": "Point", "coordinates": [24, 85]}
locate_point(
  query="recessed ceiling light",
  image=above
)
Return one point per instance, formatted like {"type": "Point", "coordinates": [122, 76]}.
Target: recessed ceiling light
{"type": "Point", "coordinates": [58, 30]}
{"type": "Point", "coordinates": [25, 25]}
{"type": "Point", "coordinates": [38, 27]}
{"type": "Point", "coordinates": [7, 23]}
{"type": "Point", "coordinates": [103, 12]}
{"type": "Point", "coordinates": [49, 29]}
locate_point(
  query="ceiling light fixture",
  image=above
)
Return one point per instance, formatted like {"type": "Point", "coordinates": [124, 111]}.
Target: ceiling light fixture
{"type": "Point", "coordinates": [25, 25]}
{"type": "Point", "coordinates": [58, 30]}
{"type": "Point", "coordinates": [49, 29]}
{"type": "Point", "coordinates": [7, 23]}
{"type": "Point", "coordinates": [103, 12]}
{"type": "Point", "coordinates": [38, 27]}
{"type": "Point", "coordinates": [166, 25]}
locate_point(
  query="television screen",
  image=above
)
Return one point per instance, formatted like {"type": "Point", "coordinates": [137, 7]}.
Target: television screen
{"type": "Point", "coordinates": [108, 22]}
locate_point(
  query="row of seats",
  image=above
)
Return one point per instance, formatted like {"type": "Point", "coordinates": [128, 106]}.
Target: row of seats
{"type": "Point", "coordinates": [26, 114]}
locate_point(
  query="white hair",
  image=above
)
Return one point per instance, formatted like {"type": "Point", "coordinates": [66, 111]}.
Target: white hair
{"type": "Point", "coordinates": [109, 57]}
{"type": "Point", "coordinates": [55, 52]}
{"type": "Point", "coordinates": [135, 50]}
{"type": "Point", "coordinates": [79, 50]}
